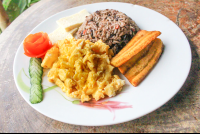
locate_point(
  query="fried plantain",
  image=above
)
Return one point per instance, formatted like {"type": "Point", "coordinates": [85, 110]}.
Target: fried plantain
{"type": "Point", "coordinates": [140, 41]}
{"type": "Point", "coordinates": [141, 69]}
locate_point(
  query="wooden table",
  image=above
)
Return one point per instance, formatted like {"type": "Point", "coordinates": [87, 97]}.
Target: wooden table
{"type": "Point", "coordinates": [181, 114]}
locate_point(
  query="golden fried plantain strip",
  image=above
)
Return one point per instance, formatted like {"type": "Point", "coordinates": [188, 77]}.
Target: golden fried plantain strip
{"type": "Point", "coordinates": [141, 64]}
{"type": "Point", "coordinates": [137, 74]}
{"type": "Point", "coordinates": [125, 67]}
{"type": "Point", "coordinates": [133, 41]}
{"type": "Point", "coordinates": [143, 42]}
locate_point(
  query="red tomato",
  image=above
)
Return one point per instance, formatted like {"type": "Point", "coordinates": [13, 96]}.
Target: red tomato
{"type": "Point", "coordinates": [36, 45]}
{"type": "Point", "coordinates": [117, 27]}
{"type": "Point", "coordinates": [33, 37]}
{"type": "Point", "coordinates": [27, 53]}
{"type": "Point", "coordinates": [84, 31]}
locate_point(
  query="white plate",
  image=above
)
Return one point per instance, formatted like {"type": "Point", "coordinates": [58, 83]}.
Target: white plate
{"type": "Point", "coordinates": [159, 87]}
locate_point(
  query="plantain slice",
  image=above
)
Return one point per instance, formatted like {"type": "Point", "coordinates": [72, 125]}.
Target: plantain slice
{"type": "Point", "coordinates": [133, 41]}
{"type": "Point", "coordinates": [126, 66]}
{"type": "Point", "coordinates": [141, 69]}
{"type": "Point", "coordinates": [138, 43]}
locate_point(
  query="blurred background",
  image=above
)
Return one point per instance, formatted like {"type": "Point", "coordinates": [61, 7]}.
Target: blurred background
{"type": "Point", "coordinates": [11, 9]}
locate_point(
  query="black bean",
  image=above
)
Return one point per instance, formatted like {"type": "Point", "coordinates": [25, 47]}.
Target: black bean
{"type": "Point", "coordinates": [117, 49]}
{"type": "Point", "coordinates": [123, 44]}
{"type": "Point", "coordinates": [112, 45]}
{"type": "Point", "coordinates": [117, 18]}
{"type": "Point", "coordinates": [114, 50]}
{"type": "Point", "coordinates": [112, 35]}
{"type": "Point", "coordinates": [91, 33]}
{"type": "Point", "coordinates": [125, 37]}
{"type": "Point", "coordinates": [98, 12]}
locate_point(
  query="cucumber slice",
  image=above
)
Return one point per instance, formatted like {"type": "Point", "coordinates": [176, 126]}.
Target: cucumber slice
{"type": "Point", "coordinates": [36, 94]}
{"type": "Point", "coordinates": [36, 80]}
{"type": "Point", "coordinates": [36, 72]}
{"type": "Point", "coordinates": [35, 68]}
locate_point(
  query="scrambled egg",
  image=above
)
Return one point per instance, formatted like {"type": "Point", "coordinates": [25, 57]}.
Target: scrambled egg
{"type": "Point", "coordinates": [82, 69]}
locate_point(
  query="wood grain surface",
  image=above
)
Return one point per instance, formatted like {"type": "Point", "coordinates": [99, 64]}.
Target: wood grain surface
{"type": "Point", "coordinates": [180, 114]}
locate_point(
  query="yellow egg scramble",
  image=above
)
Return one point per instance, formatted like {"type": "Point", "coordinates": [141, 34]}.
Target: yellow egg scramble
{"type": "Point", "coordinates": [82, 69]}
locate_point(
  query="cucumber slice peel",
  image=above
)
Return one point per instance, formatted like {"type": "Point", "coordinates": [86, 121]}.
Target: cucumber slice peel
{"type": "Point", "coordinates": [36, 72]}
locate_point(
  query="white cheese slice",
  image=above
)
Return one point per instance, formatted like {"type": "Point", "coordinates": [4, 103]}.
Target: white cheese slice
{"type": "Point", "coordinates": [73, 21]}
{"type": "Point", "coordinates": [60, 34]}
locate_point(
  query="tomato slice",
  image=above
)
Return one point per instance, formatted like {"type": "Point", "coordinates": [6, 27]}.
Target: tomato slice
{"type": "Point", "coordinates": [33, 37]}
{"type": "Point", "coordinates": [36, 45]}
{"type": "Point", "coordinates": [44, 46]}
{"type": "Point", "coordinates": [27, 53]}
{"type": "Point", "coordinates": [39, 41]}
{"type": "Point", "coordinates": [31, 47]}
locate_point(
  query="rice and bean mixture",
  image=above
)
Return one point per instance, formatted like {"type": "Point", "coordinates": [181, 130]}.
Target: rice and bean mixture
{"type": "Point", "coordinates": [114, 28]}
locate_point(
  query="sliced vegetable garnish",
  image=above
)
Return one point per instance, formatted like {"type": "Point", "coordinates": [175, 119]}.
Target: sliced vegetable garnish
{"type": "Point", "coordinates": [36, 45]}
{"type": "Point", "coordinates": [36, 72]}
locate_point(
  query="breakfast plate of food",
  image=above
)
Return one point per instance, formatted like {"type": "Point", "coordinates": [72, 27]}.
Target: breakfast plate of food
{"type": "Point", "coordinates": [102, 64]}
